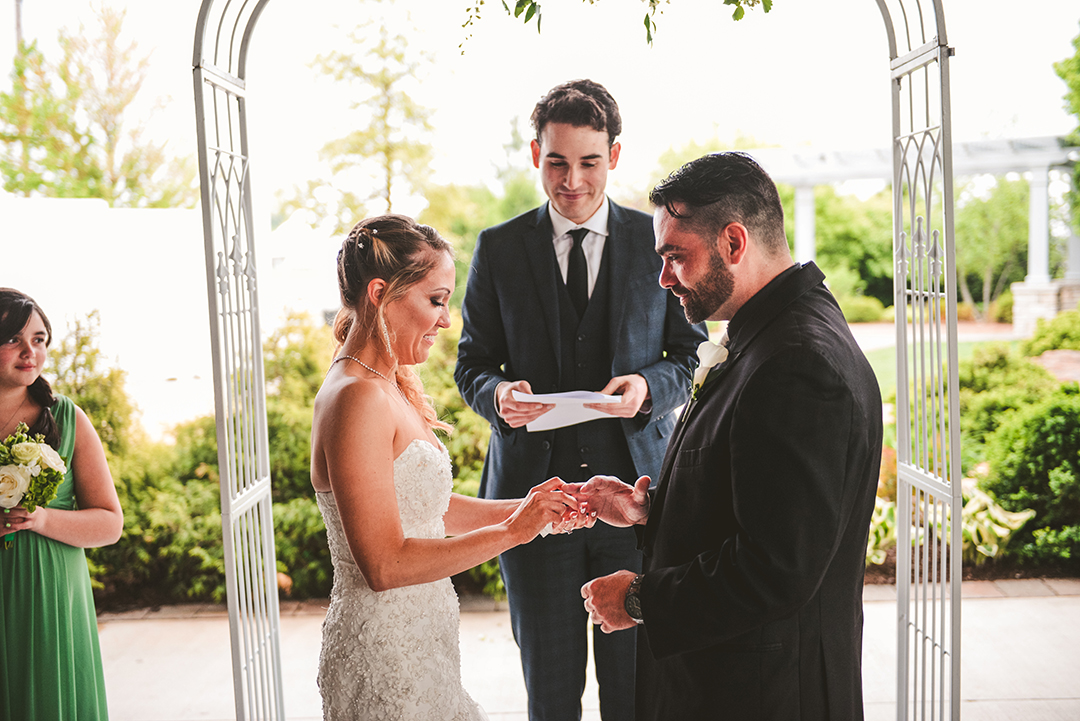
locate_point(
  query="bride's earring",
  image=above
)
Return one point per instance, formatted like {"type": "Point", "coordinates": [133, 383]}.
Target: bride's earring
{"type": "Point", "coordinates": [386, 337]}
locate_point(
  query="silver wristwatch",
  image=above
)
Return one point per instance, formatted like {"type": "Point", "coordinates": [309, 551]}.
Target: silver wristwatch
{"type": "Point", "coordinates": [632, 602]}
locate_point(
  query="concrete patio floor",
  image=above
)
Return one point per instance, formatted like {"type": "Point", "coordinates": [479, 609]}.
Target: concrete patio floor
{"type": "Point", "coordinates": [1020, 657]}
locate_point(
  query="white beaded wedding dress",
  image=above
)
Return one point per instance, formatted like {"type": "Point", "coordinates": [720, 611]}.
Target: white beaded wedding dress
{"type": "Point", "coordinates": [395, 655]}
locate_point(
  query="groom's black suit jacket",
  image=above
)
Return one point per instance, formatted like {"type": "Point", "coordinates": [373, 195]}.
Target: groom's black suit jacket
{"type": "Point", "coordinates": [756, 540]}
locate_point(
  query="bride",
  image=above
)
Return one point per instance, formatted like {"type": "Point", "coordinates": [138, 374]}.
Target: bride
{"type": "Point", "coordinates": [383, 481]}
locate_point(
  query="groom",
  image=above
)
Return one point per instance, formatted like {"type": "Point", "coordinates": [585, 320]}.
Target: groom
{"type": "Point", "coordinates": [564, 297]}
{"type": "Point", "coordinates": [749, 604]}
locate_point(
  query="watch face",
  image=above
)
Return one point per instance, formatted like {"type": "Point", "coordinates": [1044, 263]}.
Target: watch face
{"type": "Point", "coordinates": [633, 606]}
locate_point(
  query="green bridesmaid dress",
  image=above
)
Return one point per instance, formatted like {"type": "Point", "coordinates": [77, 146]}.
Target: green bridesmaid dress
{"type": "Point", "coordinates": [50, 660]}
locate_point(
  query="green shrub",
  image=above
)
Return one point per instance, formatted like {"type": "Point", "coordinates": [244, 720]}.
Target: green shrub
{"type": "Point", "coordinates": [986, 527]}
{"type": "Point", "coordinates": [861, 309]}
{"type": "Point", "coordinates": [171, 548]}
{"type": "Point", "coordinates": [1035, 463]}
{"type": "Point", "coordinates": [882, 535]}
{"type": "Point", "coordinates": [468, 442]}
{"type": "Point", "coordinates": [965, 311]}
{"type": "Point", "coordinates": [301, 548]}
{"type": "Point", "coordinates": [1050, 546]}
{"type": "Point", "coordinates": [1061, 332]}
{"type": "Point", "coordinates": [1001, 310]}
{"type": "Point", "coordinates": [995, 382]}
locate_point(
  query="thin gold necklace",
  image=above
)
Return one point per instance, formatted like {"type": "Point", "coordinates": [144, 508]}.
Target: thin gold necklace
{"type": "Point", "coordinates": [396, 386]}
{"type": "Point", "coordinates": [15, 413]}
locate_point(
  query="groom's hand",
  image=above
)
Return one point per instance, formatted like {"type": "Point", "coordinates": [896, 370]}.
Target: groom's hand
{"type": "Point", "coordinates": [612, 501]}
{"type": "Point", "coordinates": [633, 389]}
{"type": "Point", "coordinates": [515, 413]}
{"type": "Point", "coordinates": [605, 600]}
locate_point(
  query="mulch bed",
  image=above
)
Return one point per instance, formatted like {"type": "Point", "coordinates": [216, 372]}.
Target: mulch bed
{"type": "Point", "coordinates": [989, 571]}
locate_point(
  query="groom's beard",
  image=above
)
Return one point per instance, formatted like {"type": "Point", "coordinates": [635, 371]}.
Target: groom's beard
{"type": "Point", "coordinates": [715, 288]}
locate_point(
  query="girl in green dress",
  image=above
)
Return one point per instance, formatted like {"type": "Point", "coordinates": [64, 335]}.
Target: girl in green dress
{"type": "Point", "coordinates": [50, 661]}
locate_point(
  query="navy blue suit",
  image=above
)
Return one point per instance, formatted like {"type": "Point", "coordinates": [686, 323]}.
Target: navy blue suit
{"type": "Point", "coordinates": [518, 326]}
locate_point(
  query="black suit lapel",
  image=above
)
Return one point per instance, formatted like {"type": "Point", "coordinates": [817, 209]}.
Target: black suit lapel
{"type": "Point", "coordinates": [540, 252]}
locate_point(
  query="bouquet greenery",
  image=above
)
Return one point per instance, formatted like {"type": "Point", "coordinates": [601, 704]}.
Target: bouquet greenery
{"type": "Point", "coordinates": [30, 472]}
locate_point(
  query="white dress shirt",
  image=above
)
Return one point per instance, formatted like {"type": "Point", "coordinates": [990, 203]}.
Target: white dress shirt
{"type": "Point", "coordinates": [592, 245]}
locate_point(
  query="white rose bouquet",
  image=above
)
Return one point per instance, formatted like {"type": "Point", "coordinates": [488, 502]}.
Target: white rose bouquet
{"type": "Point", "coordinates": [30, 472]}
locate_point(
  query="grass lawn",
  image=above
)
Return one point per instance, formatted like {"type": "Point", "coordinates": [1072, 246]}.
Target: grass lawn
{"type": "Point", "coordinates": [883, 361]}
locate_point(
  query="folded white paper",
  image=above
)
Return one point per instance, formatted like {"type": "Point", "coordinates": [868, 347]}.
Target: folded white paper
{"type": "Point", "coordinates": [569, 408]}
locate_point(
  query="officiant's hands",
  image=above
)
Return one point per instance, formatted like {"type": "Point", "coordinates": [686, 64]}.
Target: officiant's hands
{"type": "Point", "coordinates": [605, 600]}
{"type": "Point", "coordinates": [515, 413]}
{"type": "Point", "coordinates": [612, 501]}
{"type": "Point", "coordinates": [634, 392]}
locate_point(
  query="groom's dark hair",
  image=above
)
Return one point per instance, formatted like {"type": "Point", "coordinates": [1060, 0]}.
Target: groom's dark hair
{"type": "Point", "coordinates": [582, 104]}
{"type": "Point", "coordinates": [722, 188]}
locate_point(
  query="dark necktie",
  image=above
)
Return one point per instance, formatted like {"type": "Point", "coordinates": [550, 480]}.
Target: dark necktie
{"type": "Point", "coordinates": [577, 273]}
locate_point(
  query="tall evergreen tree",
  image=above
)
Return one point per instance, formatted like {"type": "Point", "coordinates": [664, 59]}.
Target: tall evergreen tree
{"type": "Point", "coordinates": [66, 129]}
{"type": "Point", "coordinates": [389, 152]}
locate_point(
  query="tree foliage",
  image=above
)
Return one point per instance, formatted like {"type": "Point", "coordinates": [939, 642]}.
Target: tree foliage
{"type": "Point", "coordinates": [856, 236]}
{"type": "Point", "coordinates": [991, 242]}
{"type": "Point", "coordinates": [1069, 71]}
{"type": "Point", "coordinates": [460, 212]}
{"type": "Point", "coordinates": [82, 374]}
{"type": "Point", "coordinates": [529, 9]}
{"type": "Point", "coordinates": [295, 359]}
{"type": "Point", "coordinates": [43, 151]}
{"type": "Point", "coordinates": [66, 127]}
{"type": "Point", "coordinates": [391, 140]}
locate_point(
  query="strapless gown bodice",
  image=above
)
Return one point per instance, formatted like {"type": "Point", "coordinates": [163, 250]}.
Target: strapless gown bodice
{"type": "Point", "coordinates": [395, 654]}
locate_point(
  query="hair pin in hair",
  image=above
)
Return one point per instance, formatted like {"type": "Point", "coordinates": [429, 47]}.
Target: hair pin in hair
{"type": "Point", "coordinates": [360, 234]}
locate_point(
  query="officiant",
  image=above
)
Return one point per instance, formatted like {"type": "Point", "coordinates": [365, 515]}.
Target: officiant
{"type": "Point", "coordinates": [564, 297]}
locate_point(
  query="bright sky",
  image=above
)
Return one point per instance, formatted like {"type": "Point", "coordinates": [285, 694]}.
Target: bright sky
{"type": "Point", "coordinates": [808, 73]}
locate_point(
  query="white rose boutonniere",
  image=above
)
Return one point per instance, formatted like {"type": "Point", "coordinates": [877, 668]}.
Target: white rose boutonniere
{"type": "Point", "coordinates": [710, 355]}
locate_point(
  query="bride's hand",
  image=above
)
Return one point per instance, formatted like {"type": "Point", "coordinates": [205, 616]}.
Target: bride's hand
{"type": "Point", "coordinates": [572, 520]}
{"type": "Point", "coordinates": [545, 504]}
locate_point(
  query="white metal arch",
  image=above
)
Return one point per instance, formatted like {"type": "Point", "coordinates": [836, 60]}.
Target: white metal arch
{"type": "Point", "coordinates": [928, 429]}
{"type": "Point", "coordinates": [222, 35]}
{"type": "Point", "coordinates": [929, 502]}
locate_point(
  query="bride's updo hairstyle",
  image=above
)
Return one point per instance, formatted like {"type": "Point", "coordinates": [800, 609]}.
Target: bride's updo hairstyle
{"type": "Point", "coordinates": [15, 311]}
{"type": "Point", "coordinates": [400, 251]}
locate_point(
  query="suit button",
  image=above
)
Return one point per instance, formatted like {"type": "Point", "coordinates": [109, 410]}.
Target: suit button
{"type": "Point", "coordinates": [581, 365]}
{"type": "Point", "coordinates": [584, 449]}
{"type": "Point", "coordinates": [581, 337]}
{"type": "Point", "coordinates": [546, 445]}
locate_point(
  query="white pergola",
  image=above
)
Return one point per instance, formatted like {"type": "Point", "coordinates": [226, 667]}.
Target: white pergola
{"type": "Point", "coordinates": [1038, 296]}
